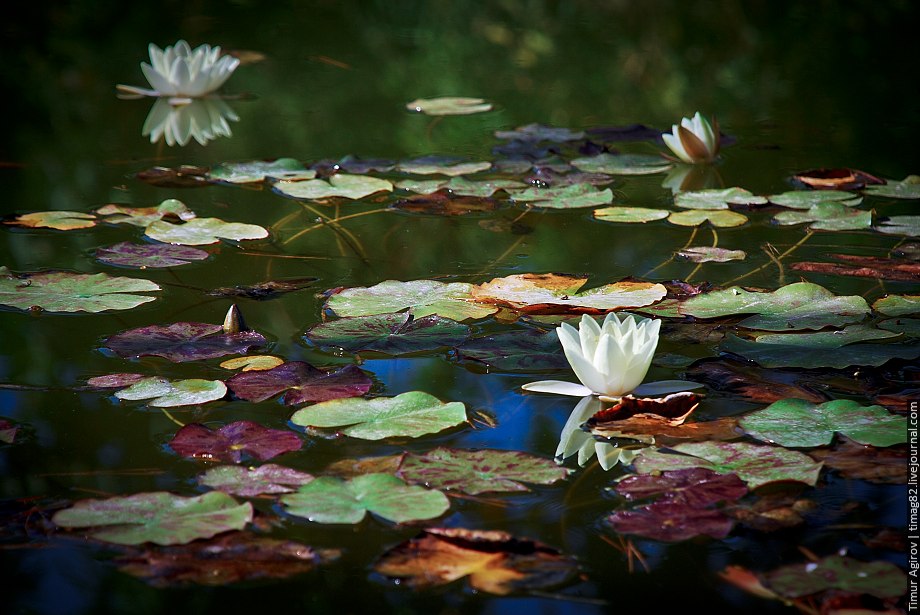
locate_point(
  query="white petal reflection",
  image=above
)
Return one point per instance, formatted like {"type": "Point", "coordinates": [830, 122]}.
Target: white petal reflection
{"type": "Point", "coordinates": [574, 439]}
{"type": "Point", "coordinates": [203, 120]}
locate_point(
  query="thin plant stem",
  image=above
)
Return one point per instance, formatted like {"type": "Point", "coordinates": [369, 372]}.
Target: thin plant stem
{"type": "Point", "coordinates": [671, 258]}
{"type": "Point", "coordinates": [789, 251]}
{"type": "Point", "coordinates": [335, 220]}
{"type": "Point", "coordinates": [769, 250]}
{"type": "Point", "coordinates": [172, 418]}
{"type": "Point", "coordinates": [346, 236]}
{"type": "Point", "coordinates": [511, 248]}
{"type": "Point", "coordinates": [715, 244]}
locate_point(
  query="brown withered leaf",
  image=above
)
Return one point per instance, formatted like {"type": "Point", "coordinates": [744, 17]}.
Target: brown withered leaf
{"type": "Point", "coordinates": [349, 468]}
{"type": "Point", "coordinates": [772, 511]}
{"type": "Point", "coordinates": [184, 176]}
{"type": "Point", "coordinates": [232, 558]}
{"type": "Point", "coordinates": [752, 382]}
{"type": "Point", "coordinates": [442, 203]}
{"type": "Point", "coordinates": [835, 179]}
{"type": "Point", "coordinates": [670, 410]}
{"type": "Point", "coordinates": [654, 431]}
{"type": "Point", "coordinates": [853, 460]}
{"type": "Point", "coordinates": [865, 267]}
{"type": "Point", "coordinates": [495, 562]}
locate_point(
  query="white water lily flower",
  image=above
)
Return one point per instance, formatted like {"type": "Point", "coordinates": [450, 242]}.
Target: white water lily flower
{"type": "Point", "coordinates": [183, 73]}
{"type": "Point", "coordinates": [203, 120]}
{"type": "Point", "coordinates": [695, 140]}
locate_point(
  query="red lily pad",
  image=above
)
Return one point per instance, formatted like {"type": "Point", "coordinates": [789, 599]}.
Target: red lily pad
{"type": "Point", "coordinates": [671, 522]}
{"type": "Point", "coordinates": [230, 442]}
{"type": "Point", "coordinates": [182, 341]}
{"type": "Point", "coordinates": [865, 267]}
{"type": "Point", "coordinates": [7, 432]}
{"type": "Point", "coordinates": [695, 487]}
{"type": "Point", "coordinates": [303, 383]}
{"type": "Point", "coordinates": [250, 482]}
{"type": "Point", "coordinates": [115, 381]}
{"type": "Point", "coordinates": [144, 255]}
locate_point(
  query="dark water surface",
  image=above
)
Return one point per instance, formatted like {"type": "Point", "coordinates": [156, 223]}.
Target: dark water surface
{"type": "Point", "coordinates": [796, 85]}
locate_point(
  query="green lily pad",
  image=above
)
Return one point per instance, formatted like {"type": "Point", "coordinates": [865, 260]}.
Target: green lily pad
{"type": "Point", "coordinates": [755, 464]}
{"type": "Point", "coordinates": [479, 471]}
{"type": "Point", "coordinates": [421, 297]}
{"type": "Point", "coordinates": [630, 214]}
{"type": "Point", "coordinates": [564, 197]}
{"type": "Point", "coordinates": [704, 254]}
{"type": "Point", "coordinates": [159, 517]}
{"type": "Point", "coordinates": [250, 482]}
{"type": "Point", "coordinates": [722, 218]}
{"type": "Point", "coordinates": [439, 166]}
{"type": "Point", "coordinates": [258, 170]}
{"type": "Point", "coordinates": [801, 423]}
{"type": "Point", "coordinates": [903, 326]}
{"type": "Point", "coordinates": [58, 220]}
{"type": "Point", "coordinates": [538, 132]}
{"type": "Point", "coordinates": [515, 351]}
{"type": "Point", "coordinates": [801, 305]}
{"type": "Point", "coordinates": [838, 572]}
{"type": "Point", "coordinates": [201, 231]}
{"type": "Point", "coordinates": [827, 339]}
{"type": "Point", "coordinates": [166, 394]}
{"type": "Point", "coordinates": [339, 185]}
{"type": "Point", "coordinates": [783, 355]}
{"type": "Point", "coordinates": [827, 216]}
{"type": "Point", "coordinates": [897, 305]}
{"type": "Point", "coordinates": [717, 198]}
{"type": "Point", "coordinates": [333, 500]}
{"type": "Point", "coordinates": [907, 188]}
{"type": "Point", "coordinates": [806, 199]}
{"type": "Point", "coordinates": [411, 414]}
{"type": "Point", "coordinates": [394, 334]}
{"type": "Point", "coordinates": [900, 225]}
{"type": "Point", "coordinates": [460, 186]}
{"type": "Point", "coordinates": [622, 164]}
{"type": "Point", "coordinates": [449, 105]}
{"type": "Point", "coordinates": [553, 293]}
{"type": "Point", "coordinates": [72, 292]}
{"type": "Point", "coordinates": [144, 216]}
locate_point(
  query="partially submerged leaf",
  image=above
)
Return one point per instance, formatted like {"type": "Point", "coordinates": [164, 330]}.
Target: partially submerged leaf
{"type": "Point", "coordinates": [263, 290]}
{"type": "Point", "coordinates": [900, 225]}
{"type": "Point", "coordinates": [259, 170]}
{"type": "Point", "coordinates": [443, 204]}
{"type": "Point", "coordinates": [436, 165]}
{"type": "Point", "coordinates": [59, 220]}
{"type": "Point", "coordinates": [564, 197]}
{"type": "Point", "coordinates": [332, 500]}
{"type": "Point", "coordinates": [166, 394]}
{"type": "Point", "coordinates": [144, 216]}
{"type": "Point", "coordinates": [182, 341]}
{"type": "Point", "coordinates": [539, 132]}
{"type": "Point", "coordinates": [622, 164]}
{"type": "Point", "coordinates": [869, 463]}
{"type": "Point", "coordinates": [249, 482]}
{"type": "Point", "coordinates": [301, 383]}
{"type": "Point", "coordinates": [144, 255]}
{"type": "Point", "coordinates": [897, 305]}
{"type": "Point", "coordinates": [694, 487]}
{"type": "Point", "coordinates": [409, 414]}
{"type": "Point", "coordinates": [449, 105]}
{"type": "Point", "coordinates": [495, 562]}
{"type": "Point", "coordinates": [838, 572]}
{"type": "Point", "coordinates": [703, 254]}
{"type": "Point", "coordinates": [72, 292]}
{"type": "Point", "coordinates": [460, 186]}
{"type": "Point", "coordinates": [393, 334]}
{"type": "Point", "coordinates": [836, 338]}
{"type": "Point", "coordinates": [202, 231]}
{"type": "Point", "coordinates": [159, 517]}
{"type": "Point", "coordinates": [230, 442]}
{"type": "Point", "coordinates": [751, 382]}
{"type": "Point", "coordinates": [671, 522]}
{"type": "Point", "coordinates": [806, 199]}
{"type": "Point", "coordinates": [421, 297]}
{"type": "Point", "coordinates": [516, 351]}
{"type": "Point", "coordinates": [789, 355]}
{"type": "Point", "coordinates": [907, 188]}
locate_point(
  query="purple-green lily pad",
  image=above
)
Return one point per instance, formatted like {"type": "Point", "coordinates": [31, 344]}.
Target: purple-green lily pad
{"type": "Point", "coordinates": [393, 334]}
{"type": "Point", "coordinates": [516, 351]}
{"type": "Point", "coordinates": [333, 500]}
{"type": "Point", "coordinates": [230, 442]}
{"type": "Point", "coordinates": [755, 464]}
{"type": "Point", "coordinates": [182, 341]}
{"type": "Point", "coordinates": [411, 414]}
{"type": "Point", "coordinates": [166, 394]}
{"type": "Point", "coordinates": [421, 297]}
{"type": "Point", "coordinates": [801, 423]}
{"type": "Point", "coordinates": [250, 482]}
{"type": "Point", "coordinates": [301, 382]}
{"type": "Point", "coordinates": [159, 517]}
{"type": "Point", "coordinates": [479, 471]}
{"type": "Point", "coordinates": [838, 572]}
{"type": "Point", "coordinates": [671, 522]}
{"type": "Point", "coordinates": [144, 255]}
{"type": "Point", "coordinates": [695, 487]}
{"type": "Point", "coordinates": [72, 292]}
{"type": "Point", "coordinates": [202, 231]}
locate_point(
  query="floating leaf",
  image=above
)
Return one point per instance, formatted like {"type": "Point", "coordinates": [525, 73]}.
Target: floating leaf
{"type": "Point", "coordinates": [260, 170]}
{"type": "Point", "coordinates": [900, 225]}
{"type": "Point", "coordinates": [717, 198]}
{"type": "Point", "coordinates": [250, 482]}
{"type": "Point", "coordinates": [630, 214]}
{"type": "Point", "coordinates": [255, 363]}
{"type": "Point", "coordinates": [783, 355]}
{"type": "Point", "coordinates": [838, 572]}
{"type": "Point", "coordinates": [72, 292]}
{"type": "Point", "coordinates": [263, 290]}
{"type": "Point", "coordinates": [58, 220]}
{"type": "Point", "coordinates": [229, 559]}
{"type": "Point", "coordinates": [144, 216]}
{"type": "Point", "coordinates": [302, 382]}
{"type": "Point", "coordinates": [876, 465]}
{"type": "Point", "coordinates": [115, 381]}
{"type": "Point", "coordinates": [694, 487]}
{"type": "Point", "coordinates": [755, 464]}
{"type": "Point", "coordinates": [718, 218]}
{"type": "Point", "coordinates": [835, 179]}
{"type": "Point", "coordinates": [393, 334]}
{"type": "Point", "coordinates": [230, 442]}
{"type": "Point", "coordinates": [517, 351]}
{"type": "Point", "coordinates": [333, 500]}
{"type": "Point", "coordinates": [449, 105]}
{"type": "Point", "coordinates": [409, 414]}
{"type": "Point", "coordinates": [182, 341]}
{"type": "Point", "coordinates": [905, 326]}
{"type": "Point", "coordinates": [705, 254]}
{"type": "Point", "coordinates": [907, 188]}
{"type": "Point", "coordinates": [622, 164]}
{"type": "Point", "coordinates": [339, 185]}
{"type": "Point", "coordinates": [495, 562]}
{"type": "Point", "coordinates": [827, 216]}
{"type": "Point", "coordinates": [437, 165]}
{"type": "Point", "coordinates": [422, 297]}
{"type": "Point", "coordinates": [553, 293]}
{"type": "Point", "coordinates": [801, 305]}
{"type": "Point", "coordinates": [866, 267]}
{"type": "Point", "coordinates": [897, 305]}
{"type": "Point", "coordinates": [166, 394]}
{"type": "Point", "coordinates": [800, 423]}
{"type": "Point", "coordinates": [806, 199]}
{"type": "Point", "coordinates": [143, 255]}
{"type": "Point", "coordinates": [826, 339]}
{"type": "Point", "coordinates": [461, 186]}
{"type": "Point", "coordinates": [349, 468]}
{"type": "Point", "coordinates": [160, 517]}
{"type": "Point", "coordinates": [479, 471]}
{"type": "Point", "coordinates": [671, 522]}
{"type": "Point", "coordinates": [201, 231]}
{"type": "Point", "coordinates": [538, 132]}
{"type": "Point", "coordinates": [564, 197]}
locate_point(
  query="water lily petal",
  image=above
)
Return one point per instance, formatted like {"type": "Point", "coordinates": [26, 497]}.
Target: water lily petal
{"type": "Point", "coordinates": [558, 387]}
{"type": "Point", "coordinates": [674, 144]}
{"type": "Point", "coordinates": [573, 438]}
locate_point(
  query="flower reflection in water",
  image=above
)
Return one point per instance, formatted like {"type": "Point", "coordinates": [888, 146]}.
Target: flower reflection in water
{"type": "Point", "coordinates": [574, 439]}
{"type": "Point", "coordinates": [203, 119]}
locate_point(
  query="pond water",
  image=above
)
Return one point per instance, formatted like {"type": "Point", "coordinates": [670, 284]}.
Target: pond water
{"type": "Point", "coordinates": [794, 87]}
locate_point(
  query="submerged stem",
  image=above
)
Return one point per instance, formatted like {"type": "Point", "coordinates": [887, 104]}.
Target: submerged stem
{"type": "Point", "coordinates": [172, 418]}
{"type": "Point", "coordinates": [671, 258]}
{"type": "Point", "coordinates": [789, 251]}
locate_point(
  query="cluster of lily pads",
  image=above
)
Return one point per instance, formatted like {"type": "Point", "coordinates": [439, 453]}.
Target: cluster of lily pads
{"type": "Point", "coordinates": [682, 477]}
